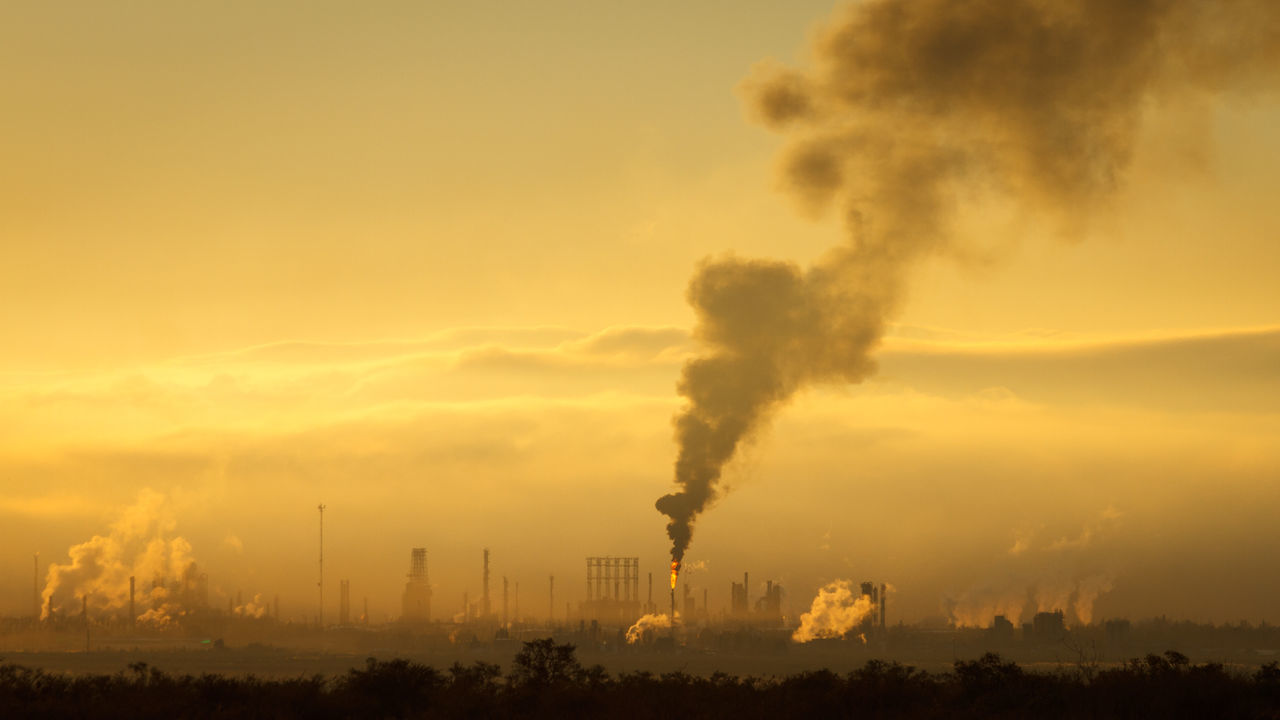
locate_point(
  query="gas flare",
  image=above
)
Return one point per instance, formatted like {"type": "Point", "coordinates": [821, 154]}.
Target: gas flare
{"type": "Point", "coordinates": [910, 111]}
{"type": "Point", "coordinates": [675, 572]}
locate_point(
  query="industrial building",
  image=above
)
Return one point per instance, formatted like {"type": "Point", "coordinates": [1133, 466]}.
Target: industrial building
{"type": "Point", "coordinates": [613, 590]}
{"type": "Point", "coordinates": [1046, 627]}
{"type": "Point", "coordinates": [877, 596]}
{"type": "Point", "coordinates": [767, 608]}
{"type": "Point", "coordinates": [416, 602]}
{"type": "Point", "coordinates": [739, 607]}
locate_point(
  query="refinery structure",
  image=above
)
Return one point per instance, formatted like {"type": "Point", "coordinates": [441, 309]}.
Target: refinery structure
{"type": "Point", "coordinates": [614, 609]}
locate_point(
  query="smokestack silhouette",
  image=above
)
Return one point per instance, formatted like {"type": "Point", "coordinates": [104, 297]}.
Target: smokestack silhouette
{"type": "Point", "coordinates": [485, 602]}
{"type": "Point", "coordinates": [910, 107]}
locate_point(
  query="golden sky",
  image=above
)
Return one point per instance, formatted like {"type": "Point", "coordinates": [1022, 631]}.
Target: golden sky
{"type": "Point", "coordinates": [426, 263]}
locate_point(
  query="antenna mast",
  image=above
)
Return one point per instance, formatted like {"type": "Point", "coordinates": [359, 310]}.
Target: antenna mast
{"type": "Point", "coordinates": [321, 583]}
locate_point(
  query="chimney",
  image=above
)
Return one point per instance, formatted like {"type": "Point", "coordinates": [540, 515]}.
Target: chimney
{"type": "Point", "coordinates": [485, 604]}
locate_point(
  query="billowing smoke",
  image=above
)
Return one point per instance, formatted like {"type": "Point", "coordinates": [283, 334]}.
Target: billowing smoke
{"type": "Point", "coordinates": [140, 544]}
{"type": "Point", "coordinates": [837, 609]}
{"type": "Point", "coordinates": [255, 608]}
{"type": "Point", "coordinates": [1044, 575]}
{"type": "Point", "coordinates": [1019, 599]}
{"type": "Point", "coordinates": [910, 110]}
{"type": "Point", "coordinates": [646, 626]}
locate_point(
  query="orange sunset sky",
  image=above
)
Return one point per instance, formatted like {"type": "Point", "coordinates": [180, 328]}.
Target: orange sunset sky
{"type": "Point", "coordinates": [426, 263]}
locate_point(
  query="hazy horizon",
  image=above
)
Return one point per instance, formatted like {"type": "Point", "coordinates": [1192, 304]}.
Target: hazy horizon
{"type": "Point", "coordinates": [428, 266]}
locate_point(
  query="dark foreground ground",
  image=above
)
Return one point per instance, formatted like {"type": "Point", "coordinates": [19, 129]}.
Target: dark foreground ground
{"type": "Point", "coordinates": [546, 679]}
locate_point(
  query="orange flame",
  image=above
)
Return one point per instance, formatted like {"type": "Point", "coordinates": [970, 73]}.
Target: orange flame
{"type": "Point", "coordinates": [675, 570]}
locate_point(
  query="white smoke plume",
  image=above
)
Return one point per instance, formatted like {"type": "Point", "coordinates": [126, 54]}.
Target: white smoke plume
{"type": "Point", "coordinates": [838, 608]}
{"type": "Point", "coordinates": [1021, 597]}
{"type": "Point", "coordinates": [1069, 574]}
{"type": "Point", "coordinates": [255, 608]}
{"type": "Point", "coordinates": [140, 543]}
{"type": "Point", "coordinates": [1087, 591]}
{"type": "Point", "coordinates": [646, 625]}
{"type": "Point", "coordinates": [909, 111]}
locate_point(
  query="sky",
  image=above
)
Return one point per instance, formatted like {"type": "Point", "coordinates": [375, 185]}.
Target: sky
{"type": "Point", "coordinates": [426, 263]}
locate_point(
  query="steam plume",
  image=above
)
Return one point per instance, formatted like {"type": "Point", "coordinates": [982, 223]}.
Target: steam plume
{"type": "Point", "coordinates": [1068, 573]}
{"type": "Point", "coordinates": [647, 624]}
{"type": "Point", "coordinates": [836, 610]}
{"type": "Point", "coordinates": [1019, 599]}
{"type": "Point", "coordinates": [255, 608]}
{"type": "Point", "coordinates": [140, 543]}
{"type": "Point", "coordinates": [909, 108]}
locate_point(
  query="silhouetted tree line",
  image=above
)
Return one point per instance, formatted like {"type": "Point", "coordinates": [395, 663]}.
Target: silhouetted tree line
{"type": "Point", "coordinates": [546, 680]}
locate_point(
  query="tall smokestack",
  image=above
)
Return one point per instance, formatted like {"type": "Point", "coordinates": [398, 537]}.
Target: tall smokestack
{"type": "Point", "coordinates": [911, 111]}
{"type": "Point", "coordinates": [485, 603]}
{"type": "Point", "coordinates": [320, 617]}
{"type": "Point", "coordinates": [133, 617]}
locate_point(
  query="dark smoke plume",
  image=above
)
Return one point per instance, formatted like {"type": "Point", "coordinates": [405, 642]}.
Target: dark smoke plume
{"type": "Point", "coordinates": [909, 108]}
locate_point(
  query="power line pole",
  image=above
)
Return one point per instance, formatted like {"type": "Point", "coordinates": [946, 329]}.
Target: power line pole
{"type": "Point", "coordinates": [321, 583]}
